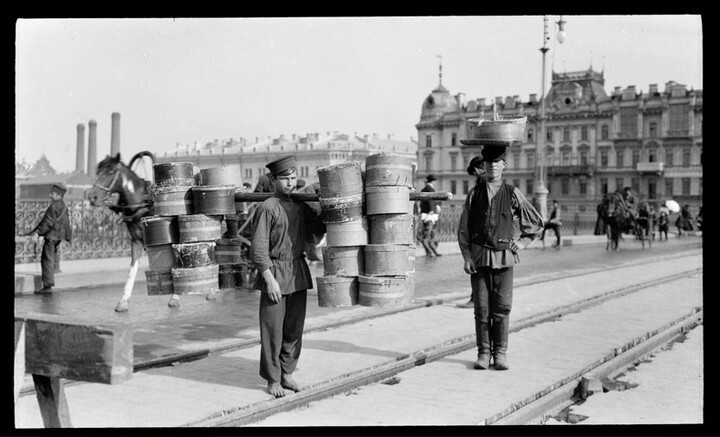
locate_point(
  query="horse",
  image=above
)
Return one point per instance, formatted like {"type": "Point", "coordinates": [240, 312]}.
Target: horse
{"type": "Point", "coordinates": [134, 202]}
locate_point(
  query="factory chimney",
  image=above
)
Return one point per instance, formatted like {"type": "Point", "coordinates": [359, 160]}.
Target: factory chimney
{"type": "Point", "coordinates": [80, 149]}
{"type": "Point", "coordinates": [115, 134]}
{"type": "Point", "coordinates": [92, 149]}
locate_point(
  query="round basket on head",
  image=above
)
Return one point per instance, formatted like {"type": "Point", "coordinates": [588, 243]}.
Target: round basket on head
{"type": "Point", "coordinates": [383, 169]}
{"type": "Point", "coordinates": [505, 130]}
{"type": "Point", "coordinates": [172, 174]}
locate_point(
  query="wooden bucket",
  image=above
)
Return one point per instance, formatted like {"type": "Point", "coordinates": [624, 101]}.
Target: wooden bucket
{"type": "Point", "coordinates": [352, 233]}
{"type": "Point", "coordinates": [159, 283]}
{"type": "Point", "coordinates": [161, 258]}
{"type": "Point", "coordinates": [341, 180]}
{"type": "Point", "coordinates": [388, 200]}
{"type": "Point", "coordinates": [199, 227]}
{"type": "Point", "coordinates": [343, 260]}
{"type": "Point", "coordinates": [214, 200]}
{"type": "Point", "coordinates": [230, 276]}
{"type": "Point", "coordinates": [173, 174]}
{"type": "Point", "coordinates": [387, 259]}
{"type": "Point", "coordinates": [196, 280]}
{"type": "Point", "coordinates": [391, 229]}
{"type": "Point", "coordinates": [225, 175]}
{"type": "Point", "coordinates": [387, 169]}
{"type": "Point", "coordinates": [176, 200]}
{"type": "Point", "coordinates": [228, 251]}
{"type": "Point", "coordinates": [341, 209]}
{"type": "Point", "coordinates": [190, 255]}
{"type": "Point", "coordinates": [159, 230]}
{"type": "Point", "coordinates": [337, 291]}
{"type": "Point", "coordinates": [385, 291]}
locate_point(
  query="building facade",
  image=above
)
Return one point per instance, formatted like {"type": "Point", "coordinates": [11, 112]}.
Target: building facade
{"type": "Point", "coordinates": [595, 143]}
{"type": "Point", "coordinates": [311, 151]}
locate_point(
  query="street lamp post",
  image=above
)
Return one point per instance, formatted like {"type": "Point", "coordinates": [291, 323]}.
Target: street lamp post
{"type": "Point", "coordinates": [540, 191]}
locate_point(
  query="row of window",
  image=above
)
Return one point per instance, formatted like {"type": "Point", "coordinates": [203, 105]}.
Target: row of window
{"type": "Point", "coordinates": [652, 186]}
{"type": "Point", "coordinates": [583, 159]}
{"type": "Point", "coordinates": [303, 171]}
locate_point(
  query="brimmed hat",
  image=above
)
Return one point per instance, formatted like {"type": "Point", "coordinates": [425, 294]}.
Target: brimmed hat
{"type": "Point", "coordinates": [58, 188]}
{"type": "Point", "coordinates": [281, 164]}
{"type": "Point", "coordinates": [474, 163]}
{"type": "Point", "coordinates": [430, 178]}
{"type": "Point", "coordinates": [493, 153]}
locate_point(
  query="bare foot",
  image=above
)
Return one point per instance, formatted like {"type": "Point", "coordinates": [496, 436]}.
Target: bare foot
{"type": "Point", "coordinates": [289, 383]}
{"type": "Point", "coordinates": [274, 389]}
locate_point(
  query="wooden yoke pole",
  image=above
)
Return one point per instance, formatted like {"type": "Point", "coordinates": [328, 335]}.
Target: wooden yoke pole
{"type": "Point", "coordinates": [314, 197]}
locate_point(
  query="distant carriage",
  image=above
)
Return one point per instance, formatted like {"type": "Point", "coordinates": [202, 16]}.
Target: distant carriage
{"type": "Point", "coordinates": [616, 217]}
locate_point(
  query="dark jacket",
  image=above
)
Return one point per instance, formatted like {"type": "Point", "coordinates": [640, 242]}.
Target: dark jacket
{"type": "Point", "coordinates": [491, 222]}
{"type": "Point", "coordinates": [55, 224]}
{"type": "Point", "coordinates": [428, 205]}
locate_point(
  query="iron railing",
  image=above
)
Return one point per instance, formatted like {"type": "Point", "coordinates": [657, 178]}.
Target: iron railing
{"type": "Point", "coordinates": [97, 232]}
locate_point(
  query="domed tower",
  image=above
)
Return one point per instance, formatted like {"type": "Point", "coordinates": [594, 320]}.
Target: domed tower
{"type": "Point", "coordinates": [438, 102]}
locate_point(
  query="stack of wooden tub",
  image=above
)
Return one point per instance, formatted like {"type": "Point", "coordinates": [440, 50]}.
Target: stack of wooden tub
{"type": "Point", "coordinates": [172, 197]}
{"type": "Point", "coordinates": [342, 210]}
{"type": "Point", "coordinates": [228, 247]}
{"type": "Point", "coordinates": [389, 256]}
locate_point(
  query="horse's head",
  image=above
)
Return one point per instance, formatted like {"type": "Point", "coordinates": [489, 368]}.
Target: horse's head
{"type": "Point", "coordinates": [108, 180]}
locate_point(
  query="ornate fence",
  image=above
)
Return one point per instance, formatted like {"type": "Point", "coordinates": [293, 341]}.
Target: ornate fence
{"type": "Point", "coordinates": [96, 232]}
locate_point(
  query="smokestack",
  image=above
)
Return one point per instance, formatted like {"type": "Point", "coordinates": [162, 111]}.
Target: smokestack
{"type": "Point", "coordinates": [92, 149]}
{"type": "Point", "coordinates": [80, 149]}
{"type": "Point", "coordinates": [115, 134]}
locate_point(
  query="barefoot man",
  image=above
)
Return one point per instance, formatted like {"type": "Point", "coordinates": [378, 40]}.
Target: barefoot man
{"type": "Point", "coordinates": [281, 227]}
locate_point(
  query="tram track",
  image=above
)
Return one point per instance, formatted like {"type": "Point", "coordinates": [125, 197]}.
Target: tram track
{"type": "Point", "coordinates": [526, 409]}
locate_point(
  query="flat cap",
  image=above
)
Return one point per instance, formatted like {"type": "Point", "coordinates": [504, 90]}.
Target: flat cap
{"type": "Point", "coordinates": [430, 178]}
{"type": "Point", "coordinates": [281, 164]}
{"type": "Point", "coordinates": [58, 188]}
{"type": "Point", "coordinates": [474, 163]}
{"type": "Point", "coordinates": [493, 153]}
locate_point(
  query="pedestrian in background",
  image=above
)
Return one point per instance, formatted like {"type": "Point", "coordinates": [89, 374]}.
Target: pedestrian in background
{"type": "Point", "coordinates": [54, 228]}
{"type": "Point", "coordinates": [280, 229]}
{"type": "Point", "coordinates": [265, 184]}
{"type": "Point", "coordinates": [489, 249]}
{"type": "Point", "coordinates": [663, 224]}
{"type": "Point", "coordinates": [476, 169]}
{"type": "Point", "coordinates": [429, 210]}
{"type": "Point", "coordinates": [684, 220]}
{"type": "Point", "coordinates": [554, 223]}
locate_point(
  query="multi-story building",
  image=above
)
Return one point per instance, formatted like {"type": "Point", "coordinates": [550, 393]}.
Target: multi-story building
{"type": "Point", "coordinates": [312, 151]}
{"type": "Point", "coordinates": [595, 143]}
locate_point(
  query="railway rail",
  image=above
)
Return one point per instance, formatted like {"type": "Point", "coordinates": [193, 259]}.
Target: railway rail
{"type": "Point", "coordinates": [399, 362]}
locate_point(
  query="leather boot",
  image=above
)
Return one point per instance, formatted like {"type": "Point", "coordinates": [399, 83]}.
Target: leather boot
{"type": "Point", "coordinates": [501, 329]}
{"type": "Point", "coordinates": [483, 343]}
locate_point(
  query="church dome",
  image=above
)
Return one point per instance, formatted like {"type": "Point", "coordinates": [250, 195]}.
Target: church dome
{"type": "Point", "coordinates": [437, 103]}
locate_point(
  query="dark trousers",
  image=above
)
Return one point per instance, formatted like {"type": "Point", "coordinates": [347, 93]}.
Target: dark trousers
{"type": "Point", "coordinates": [281, 329]}
{"type": "Point", "coordinates": [555, 227]}
{"type": "Point", "coordinates": [49, 261]}
{"type": "Point", "coordinates": [492, 291]}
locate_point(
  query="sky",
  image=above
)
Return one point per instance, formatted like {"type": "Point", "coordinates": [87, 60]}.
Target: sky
{"type": "Point", "coordinates": [180, 81]}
